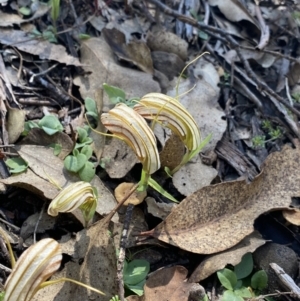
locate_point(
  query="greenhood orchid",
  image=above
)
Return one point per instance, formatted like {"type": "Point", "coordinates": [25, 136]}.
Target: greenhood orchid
{"type": "Point", "coordinates": [171, 113]}
{"type": "Point", "coordinates": [129, 126]}
{"type": "Point", "coordinates": [80, 195]}
{"type": "Point", "coordinates": [29, 274]}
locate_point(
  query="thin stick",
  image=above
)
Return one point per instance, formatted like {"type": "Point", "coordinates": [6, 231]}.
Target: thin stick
{"type": "Point", "coordinates": [123, 244]}
{"type": "Point", "coordinates": [112, 213]}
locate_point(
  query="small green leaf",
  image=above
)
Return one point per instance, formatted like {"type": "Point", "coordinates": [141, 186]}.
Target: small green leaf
{"type": "Point", "coordinates": [205, 298]}
{"type": "Point", "coordinates": [16, 165]}
{"type": "Point", "coordinates": [56, 148]}
{"type": "Point", "coordinates": [50, 124]}
{"type": "Point", "coordinates": [227, 278]}
{"type": "Point", "coordinates": [82, 134]}
{"type": "Point", "coordinates": [115, 94]}
{"type": "Point", "coordinates": [137, 288]}
{"type": "Point", "coordinates": [159, 189]}
{"type": "Point", "coordinates": [55, 9]}
{"type": "Point", "coordinates": [104, 161]}
{"type": "Point", "coordinates": [136, 271]}
{"type": "Point", "coordinates": [87, 151]}
{"type": "Point", "coordinates": [2, 295]}
{"type": "Point", "coordinates": [25, 11]}
{"type": "Point", "coordinates": [245, 267]}
{"type": "Point", "coordinates": [75, 163]}
{"type": "Point", "coordinates": [259, 280]}
{"type": "Point", "coordinates": [28, 125]}
{"type": "Point", "coordinates": [203, 35]}
{"type": "Point", "coordinates": [231, 296]}
{"type": "Point", "coordinates": [83, 36]}
{"type": "Point", "coordinates": [91, 106]}
{"type": "Point", "coordinates": [50, 36]}
{"type": "Point", "coordinates": [243, 292]}
{"type": "Point", "coordinates": [88, 171]}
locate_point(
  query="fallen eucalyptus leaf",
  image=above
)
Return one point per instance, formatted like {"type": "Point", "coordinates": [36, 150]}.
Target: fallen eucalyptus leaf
{"type": "Point", "coordinates": [218, 217]}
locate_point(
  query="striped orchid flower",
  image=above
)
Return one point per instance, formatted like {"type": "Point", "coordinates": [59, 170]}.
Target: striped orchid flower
{"type": "Point", "coordinates": [80, 195]}
{"type": "Point", "coordinates": [169, 112]}
{"type": "Point", "coordinates": [38, 263]}
{"type": "Point", "coordinates": [127, 125]}
{"type": "Point", "coordinates": [33, 268]}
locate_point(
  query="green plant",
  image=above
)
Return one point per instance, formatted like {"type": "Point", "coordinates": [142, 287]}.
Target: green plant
{"type": "Point", "coordinates": [259, 141]}
{"type": "Point", "coordinates": [83, 138]}
{"type": "Point", "coordinates": [296, 96]}
{"type": "Point", "coordinates": [115, 298]}
{"type": "Point", "coordinates": [78, 163]}
{"type": "Point", "coordinates": [80, 195]}
{"type": "Point", "coordinates": [56, 148]}
{"type": "Point", "coordinates": [272, 133]}
{"type": "Point", "coordinates": [104, 162]}
{"type": "Point", "coordinates": [239, 283]}
{"type": "Point", "coordinates": [91, 108]}
{"type": "Point", "coordinates": [55, 10]}
{"type": "Point", "coordinates": [50, 124]}
{"type": "Point", "coordinates": [25, 11]}
{"type": "Point", "coordinates": [117, 95]}
{"type": "Point", "coordinates": [16, 165]}
{"type": "Point", "coordinates": [47, 34]}
{"type": "Point", "coordinates": [134, 275]}
{"type": "Point", "coordinates": [28, 125]}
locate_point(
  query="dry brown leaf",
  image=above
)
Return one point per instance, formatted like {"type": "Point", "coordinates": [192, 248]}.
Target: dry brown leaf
{"type": "Point", "coordinates": [172, 153]}
{"type": "Point", "coordinates": [15, 124]}
{"type": "Point", "coordinates": [38, 136]}
{"type": "Point", "coordinates": [119, 158]}
{"type": "Point", "coordinates": [43, 48]}
{"type": "Point", "coordinates": [97, 57]}
{"type": "Point", "coordinates": [94, 263]}
{"type": "Point", "coordinates": [136, 52]}
{"type": "Point", "coordinates": [218, 217]}
{"type": "Point", "coordinates": [168, 284]}
{"type": "Point", "coordinates": [193, 176]}
{"type": "Point", "coordinates": [231, 256]}
{"type": "Point", "coordinates": [170, 64]}
{"type": "Point", "coordinates": [292, 216]}
{"type": "Point", "coordinates": [233, 10]}
{"type": "Point", "coordinates": [160, 210]}
{"type": "Point", "coordinates": [45, 223]}
{"type": "Point", "coordinates": [30, 181]}
{"type": "Point", "coordinates": [161, 40]}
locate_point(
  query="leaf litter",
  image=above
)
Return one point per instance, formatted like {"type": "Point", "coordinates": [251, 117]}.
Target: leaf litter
{"type": "Point", "coordinates": [212, 219]}
{"type": "Point", "coordinates": [221, 215]}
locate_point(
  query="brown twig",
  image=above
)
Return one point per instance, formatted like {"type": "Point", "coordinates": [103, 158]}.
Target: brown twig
{"type": "Point", "coordinates": [112, 213]}
{"type": "Point", "coordinates": [123, 245]}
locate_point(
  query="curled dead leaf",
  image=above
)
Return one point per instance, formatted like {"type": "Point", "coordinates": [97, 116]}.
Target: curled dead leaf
{"type": "Point", "coordinates": [217, 217]}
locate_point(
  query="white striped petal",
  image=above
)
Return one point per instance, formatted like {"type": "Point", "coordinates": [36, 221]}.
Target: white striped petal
{"type": "Point", "coordinates": [129, 126]}
{"type": "Point", "coordinates": [34, 267]}
{"type": "Point", "coordinates": [172, 114]}
{"type": "Point", "coordinates": [77, 195]}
